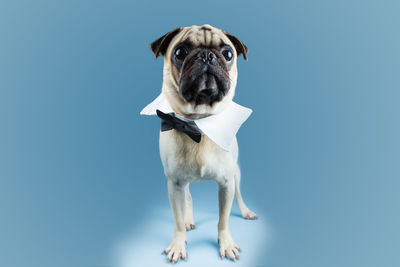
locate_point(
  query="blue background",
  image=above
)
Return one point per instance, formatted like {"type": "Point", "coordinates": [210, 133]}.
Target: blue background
{"type": "Point", "coordinates": [79, 168]}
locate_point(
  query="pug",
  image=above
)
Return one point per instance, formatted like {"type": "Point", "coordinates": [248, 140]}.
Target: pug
{"type": "Point", "coordinates": [199, 125]}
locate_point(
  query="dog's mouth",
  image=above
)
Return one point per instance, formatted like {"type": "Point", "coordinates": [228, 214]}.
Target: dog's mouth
{"type": "Point", "coordinates": [205, 89]}
{"type": "Point", "coordinates": [203, 83]}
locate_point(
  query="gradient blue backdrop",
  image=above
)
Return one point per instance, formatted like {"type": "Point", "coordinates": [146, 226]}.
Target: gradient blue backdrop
{"type": "Point", "coordinates": [320, 154]}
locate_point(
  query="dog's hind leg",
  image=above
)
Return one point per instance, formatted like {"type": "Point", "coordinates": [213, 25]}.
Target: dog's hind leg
{"type": "Point", "coordinates": [244, 210]}
{"type": "Point", "coordinates": [189, 221]}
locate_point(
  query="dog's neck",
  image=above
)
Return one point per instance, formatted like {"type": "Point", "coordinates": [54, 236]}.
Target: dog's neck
{"type": "Point", "coordinates": [190, 110]}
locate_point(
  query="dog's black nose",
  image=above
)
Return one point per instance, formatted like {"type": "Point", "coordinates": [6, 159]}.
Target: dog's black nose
{"type": "Point", "coordinates": [207, 56]}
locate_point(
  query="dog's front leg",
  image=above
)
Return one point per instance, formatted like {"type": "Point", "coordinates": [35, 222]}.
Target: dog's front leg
{"type": "Point", "coordinates": [176, 249]}
{"type": "Point", "coordinates": [227, 246]}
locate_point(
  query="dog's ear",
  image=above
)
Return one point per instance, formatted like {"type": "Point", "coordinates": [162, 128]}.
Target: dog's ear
{"type": "Point", "coordinates": [239, 46]}
{"type": "Point", "coordinates": [159, 46]}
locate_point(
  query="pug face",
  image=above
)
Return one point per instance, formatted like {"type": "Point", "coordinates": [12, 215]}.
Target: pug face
{"type": "Point", "coordinates": [200, 70]}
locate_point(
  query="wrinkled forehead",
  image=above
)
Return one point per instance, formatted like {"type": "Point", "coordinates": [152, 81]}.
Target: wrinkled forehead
{"type": "Point", "coordinates": [204, 35]}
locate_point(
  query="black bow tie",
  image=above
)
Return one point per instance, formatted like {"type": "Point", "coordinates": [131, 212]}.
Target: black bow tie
{"type": "Point", "coordinates": [169, 122]}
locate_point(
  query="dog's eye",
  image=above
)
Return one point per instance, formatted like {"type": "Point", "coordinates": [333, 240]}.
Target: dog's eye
{"type": "Point", "coordinates": [228, 55]}
{"type": "Point", "coordinates": [180, 53]}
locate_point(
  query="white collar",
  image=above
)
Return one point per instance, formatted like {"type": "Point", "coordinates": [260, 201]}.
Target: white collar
{"type": "Point", "coordinates": [220, 128]}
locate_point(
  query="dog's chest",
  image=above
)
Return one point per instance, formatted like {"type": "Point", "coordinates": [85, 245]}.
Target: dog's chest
{"type": "Point", "coordinates": [183, 159]}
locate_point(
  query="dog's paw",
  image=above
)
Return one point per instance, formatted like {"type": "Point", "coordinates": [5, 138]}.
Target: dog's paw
{"type": "Point", "coordinates": [176, 250]}
{"type": "Point", "coordinates": [227, 247]}
{"type": "Point", "coordinates": [189, 226]}
{"type": "Point", "coordinates": [249, 215]}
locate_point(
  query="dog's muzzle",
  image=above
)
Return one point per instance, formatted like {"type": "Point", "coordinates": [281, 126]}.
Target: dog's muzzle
{"type": "Point", "coordinates": [204, 78]}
